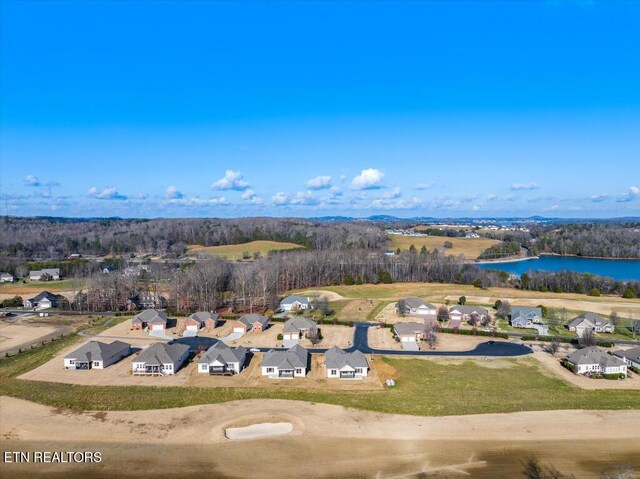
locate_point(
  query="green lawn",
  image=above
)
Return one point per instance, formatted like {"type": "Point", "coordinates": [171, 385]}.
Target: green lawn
{"type": "Point", "coordinates": [423, 388]}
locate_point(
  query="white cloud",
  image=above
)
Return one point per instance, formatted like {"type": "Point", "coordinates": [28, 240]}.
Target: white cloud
{"type": "Point", "coordinates": [280, 199]}
{"type": "Point", "coordinates": [108, 193]}
{"type": "Point", "coordinates": [232, 180]}
{"type": "Point", "coordinates": [172, 193]}
{"type": "Point", "coordinates": [393, 194]}
{"type": "Point", "coordinates": [319, 183]}
{"type": "Point", "coordinates": [301, 198]}
{"type": "Point", "coordinates": [395, 203]}
{"type": "Point", "coordinates": [31, 180]}
{"type": "Point", "coordinates": [368, 179]}
{"type": "Point", "coordinates": [195, 201]}
{"type": "Point", "coordinates": [632, 194]}
{"type": "Point", "coordinates": [251, 197]}
{"type": "Point", "coordinates": [524, 186]}
{"type": "Point", "coordinates": [599, 198]}
{"type": "Point", "coordinates": [425, 186]}
{"type": "Point", "coordinates": [142, 195]}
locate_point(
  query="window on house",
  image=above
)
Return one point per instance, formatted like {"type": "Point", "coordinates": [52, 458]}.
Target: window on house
{"type": "Point", "coordinates": [96, 364]}
{"type": "Point", "coordinates": [269, 370]}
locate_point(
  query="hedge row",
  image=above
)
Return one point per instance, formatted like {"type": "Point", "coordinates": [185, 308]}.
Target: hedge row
{"type": "Point", "coordinates": [472, 332]}
{"type": "Point", "coordinates": [564, 339]}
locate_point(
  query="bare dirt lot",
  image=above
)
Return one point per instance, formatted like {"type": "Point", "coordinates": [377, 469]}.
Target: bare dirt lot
{"type": "Point", "coordinates": [180, 442]}
{"type": "Point", "coordinates": [16, 335]}
{"type": "Point", "coordinates": [382, 338]}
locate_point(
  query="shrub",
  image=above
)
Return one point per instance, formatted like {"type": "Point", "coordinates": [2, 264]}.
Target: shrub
{"type": "Point", "coordinates": [629, 293]}
{"type": "Point", "coordinates": [634, 369]}
{"type": "Point", "coordinates": [565, 363]}
{"type": "Point", "coordinates": [280, 337]}
{"type": "Point", "coordinates": [594, 292]}
{"type": "Point", "coordinates": [614, 376]}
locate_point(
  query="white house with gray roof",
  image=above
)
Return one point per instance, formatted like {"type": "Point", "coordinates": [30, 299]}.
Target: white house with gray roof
{"type": "Point", "coordinates": [289, 363]}
{"type": "Point", "coordinates": [96, 355]}
{"type": "Point", "coordinates": [590, 322]}
{"type": "Point", "coordinates": [343, 365]}
{"type": "Point", "coordinates": [416, 307]}
{"type": "Point", "coordinates": [629, 356]}
{"type": "Point", "coordinates": [6, 278]}
{"type": "Point", "coordinates": [464, 313]}
{"type": "Point", "coordinates": [295, 302]}
{"type": "Point", "coordinates": [593, 360]}
{"type": "Point", "coordinates": [45, 274]}
{"type": "Point", "coordinates": [525, 316]}
{"type": "Point", "coordinates": [410, 332]}
{"type": "Point", "coordinates": [162, 359]}
{"type": "Point", "coordinates": [221, 359]}
{"type": "Point", "coordinates": [298, 327]}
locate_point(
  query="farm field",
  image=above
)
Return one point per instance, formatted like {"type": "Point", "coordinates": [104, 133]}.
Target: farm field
{"type": "Point", "coordinates": [236, 251]}
{"type": "Point", "coordinates": [470, 248]}
{"type": "Point", "coordinates": [34, 287]}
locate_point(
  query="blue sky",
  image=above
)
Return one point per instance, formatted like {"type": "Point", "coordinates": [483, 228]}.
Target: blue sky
{"type": "Point", "coordinates": [225, 109]}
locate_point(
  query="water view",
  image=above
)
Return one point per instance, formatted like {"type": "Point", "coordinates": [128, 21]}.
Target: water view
{"type": "Point", "coordinates": [621, 269]}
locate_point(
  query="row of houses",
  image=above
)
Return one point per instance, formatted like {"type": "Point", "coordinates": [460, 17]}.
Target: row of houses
{"type": "Point", "coordinates": [595, 361]}
{"type": "Point", "coordinates": [156, 320]}
{"type": "Point", "coordinates": [164, 359]}
{"type": "Point", "coordinates": [528, 317]}
{"type": "Point", "coordinates": [47, 274]}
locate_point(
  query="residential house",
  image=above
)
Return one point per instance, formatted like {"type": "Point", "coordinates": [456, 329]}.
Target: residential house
{"type": "Point", "coordinates": [298, 328]}
{"type": "Point", "coordinates": [6, 278]}
{"type": "Point", "coordinates": [288, 363]}
{"type": "Point", "coordinates": [146, 301]}
{"type": "Point", "coordinates": [294, 303]}
{"type": "Point", "coordinates": [45, 274]}
{"type": "Point", "coordinates": [343, 365]}
{"type": "Point", "coordinates": [107, 269]}
{"type": "Point", "coordinates": [160, 359]}
{"type": "Point", "coordinates": [251, 322]}
{"type": "Point", "coordinates": [221, 359]}
{"type": "Point", "coordinates": [45, 300]}
{"type": "Point", "coordinates": [416, 307]}
{"type": "Point", "coordinates": [525, 317]}
{"type": "Point", "coordinates": [74, 256]}
{"type": "Point", "coordinates": [136, 270]}
{"type": "Point", "coordinates": [629, 356]}
{"type": "Point", "coordinates": [150, 318]}
{"type": "Point", "coordinates": [593, 360]}
{"type": "Point", "coordinates": [464, 313]}
{"type": "Point", "coordinates": [411, 332]}
{"type": "Point", "coordinates": [97, 355]}
{"type": "Point", "coordinates": [201, 319]}
{"type": "Point", "coordinates": [590, 322]}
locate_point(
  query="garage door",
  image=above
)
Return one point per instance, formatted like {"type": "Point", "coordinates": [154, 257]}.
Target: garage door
{"type": "Point", "coordinates": [157, 327]}
{"type": "Point", "coordinates": [408, 340]}
{"type": "Point", "coordinates": [238, 330]}
{"type": "Point", "coordinates": [192, 327]}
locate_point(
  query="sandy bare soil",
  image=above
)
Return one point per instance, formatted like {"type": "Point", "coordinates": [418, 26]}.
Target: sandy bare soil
{"type": "Point", "coordinates": [12, 336]}
{"type": "Point", "coordinates": [345, 442]}
{"type": "Point", "coordinates": [319, 293]}
{"type": "Point", "coordinates": [119, 374]}
{"type": "Point", "coordinates": [382, 338]}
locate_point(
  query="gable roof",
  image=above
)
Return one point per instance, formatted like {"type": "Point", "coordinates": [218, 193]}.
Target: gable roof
{"type": "Point", "coordinates": [6, 275]}
{"type": "Point", "coordinates": [293, 298]}
{"type": "Point", "coordinates": [97, 351]}
{"type": "Point", "coordinates": [594, 355]}
{"type": "Point", "coordinates": [202, 316]}
{"type": "Point", "coordinates": [47, 295]}
{"type": "Point", "coordinates": [162, 353]}
{"type": "Point", "coordinates": [632, 354]}
{"type": "Point", "coordinates": [295, 357]}
{"type": "Point", "coordinates": [298, 323]}
{"type": "Point", "coordinates": [410, 328]}
{"type": "Point", "coordinates": [463, 309]}
{"type": "Point", "coordinates": [224, 354]}
{"type": "Point", "coordinates": [525, 312]}
{"type": "Point", "coordinates": [250, 319]}
{"type": "Point", "coordinates": [337, 358]}
{"type": "Point", "coordinates": [591, 318]}
{"type": "Point", "coordinates": [415, 303]}
{"type": "Point", "coordinates": [49, 271]}
{"type": "Point", "coordinates": [150, 316]}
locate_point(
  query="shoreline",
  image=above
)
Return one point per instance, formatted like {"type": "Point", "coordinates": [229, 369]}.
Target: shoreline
{"type": "Point", "coordinates": [504, 260]}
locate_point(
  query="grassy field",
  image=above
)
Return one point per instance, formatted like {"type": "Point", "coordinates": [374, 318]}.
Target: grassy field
{"type": "Point", "coordinates": [424, 387]}
{"type": "Point", "coordinates": [470, 248]}
{"type": "Point", "coordinates": [236, 251]}
{"type": "Point", "coordinates": [34, 287]}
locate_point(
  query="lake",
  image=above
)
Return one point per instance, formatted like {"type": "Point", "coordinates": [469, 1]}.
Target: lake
{"type": "Point", "coordinates": [621, 269]}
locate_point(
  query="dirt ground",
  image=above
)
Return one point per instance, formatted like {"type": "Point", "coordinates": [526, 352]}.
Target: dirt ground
{"type": "Point", "coordinates": [15, 335]}
{"type": "Point", "coordinates": [382, 338]}
{"type": "Point", "coordinates": [120, 374]}
{"type": "Point", "coordinates": [552, 364]}
{"type": "Point", "coordinates": [359, 443]}
{"type": "Point", "coordinates": [124, 332]}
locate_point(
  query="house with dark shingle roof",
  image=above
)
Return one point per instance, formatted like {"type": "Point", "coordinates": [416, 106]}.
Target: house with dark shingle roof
{"type": "Point", "coordinates": [255, 323]}
{"type": "Point", "coordinates": [410, 332]}
{"type": "Point", "coordinates": [161, 359]}
{"type": "Point", "coordinates": [45, 300]}
{"type": "Point", "coordinates": [629, 356]}
{"type": "Point", "coordinates": [298, 327]}
{"type": "Point", "coordinates": [289, 363]}
{"type": "Point", "coordinates": [590, 322]}
{"type": "Point", "coordinates": [45, 274]}
{"type": "Point", "coordinates": [417, 307]}
{"type": "Point", "coordinates": [221, 359]}
{"type": "Point", "coordinates": [464, 313]}
{"type": "Point", "coordinates": [593, 360]}
{"type": "Point", "coordinates": [96, 355]}
{"type": "Point", "coordinates": [150, 318]}
{"type": "Point", "coordinates": [525, 316]}
{"type": "Point", "coordinates": [343, 365]}
{"type": "Point", "coordinates": [295, 302]}
{"type": "Point", "coordinates": [201, 319]}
